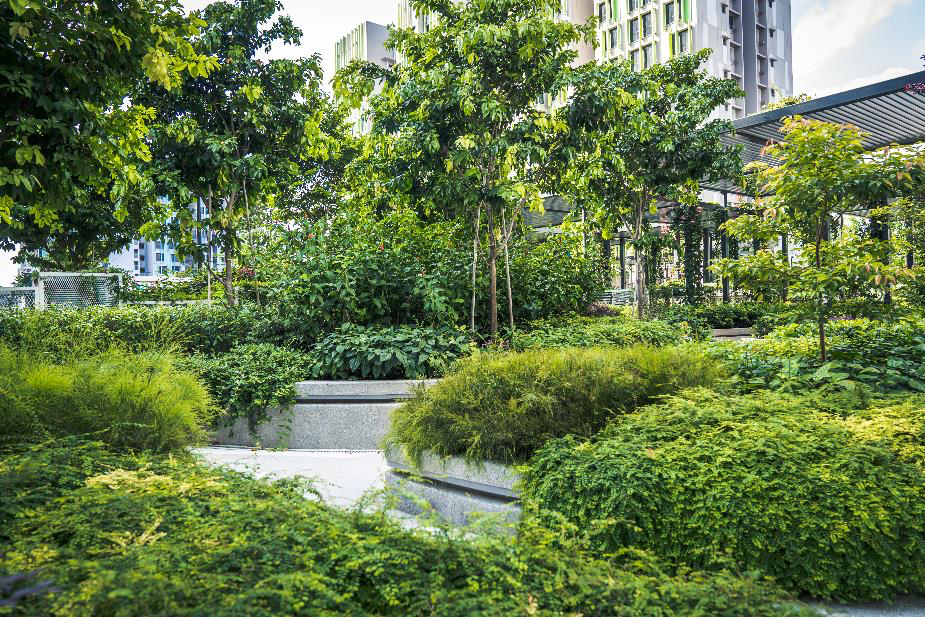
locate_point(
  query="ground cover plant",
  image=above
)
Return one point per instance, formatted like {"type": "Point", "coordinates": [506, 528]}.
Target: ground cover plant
{"type": "Point", "coordinates": [118, 533]}
{"type": "Point", "coordinates": [137, 401]}
{"type": "Point", "coordinates": [824, 493]}
{"type": "Point", "coordinates": [701, 319]}
{"type": "Point", "coordinates": [503, 407]}
{"type": "Point", "coordinates": [571, 331]}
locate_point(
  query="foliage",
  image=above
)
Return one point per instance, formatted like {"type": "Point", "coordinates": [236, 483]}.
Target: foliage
{"type": "Point", "coordinates": [130, 401]}
{"type": "Point", "coordinates": [462, 137]}
{"type": "Point", "coordinates": [503, 407]}
{"type": "Point", "coordinates": [793, 99]}
{"type": "Point", "coordinates": [823, 171]}
{"type": "Point", "coordinates": [881, 356]}
{"type": "Point", "coordinates": [703, 318]}
{"type": "Point", "coordinates": [387, 352]}
{"type": "Point", "coordinates": [570, 331]}
{"type": "Point", "coordinates": [637, 136]}
{"type": "Point", "coordinates": [137, 535]}
{"type": "Point", "coordinates": [235, 133]}
{"type": "Point", "coordinates": [74, 132]}
{"type": "Point", "coordinates": [250, 378]}
{"type": "Point", "coordinates": [828, 499]}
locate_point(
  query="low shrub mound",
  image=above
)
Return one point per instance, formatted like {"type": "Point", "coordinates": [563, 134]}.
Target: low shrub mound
{"type": "Point", "coordinates": [143, 536]}
{"type": "Point", "coordinates": [505, 406]}
{"type": "Point", "coordinates": [701, 319]}
{"type": "Point", "coordinates": [136, 401]}
{"type": "Point", "coordinates": [585, 332]}
{"type": "Point", "coordinates": [829, 501]}
{"type": "Point", "coordinates": [251, 378]}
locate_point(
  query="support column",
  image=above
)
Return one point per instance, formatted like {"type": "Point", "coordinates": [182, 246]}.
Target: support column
{"type": "Point", "coordinates": [706, 254]}
{"type": "Point", "coordinates": [725, 281]}
{"type": "Point", "coordinates": [621, 260]}
{"type": "Point", "coordinates": [785, 257]}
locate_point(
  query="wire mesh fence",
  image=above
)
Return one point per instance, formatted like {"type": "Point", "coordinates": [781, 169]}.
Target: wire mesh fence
{"type": "Point", "coordinates": [64, 289]}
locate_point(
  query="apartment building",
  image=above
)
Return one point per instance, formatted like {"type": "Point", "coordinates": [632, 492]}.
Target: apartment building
{"type": "Point", "coordinates": [751, 41]}
{"type": "Point", "coordinates": [365, 42]}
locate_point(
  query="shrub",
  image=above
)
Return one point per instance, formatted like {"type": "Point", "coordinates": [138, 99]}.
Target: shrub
{"type": "Point", "coordinates": [703, 318]}
{"type": "Point", "coordinates": [830, 505]}
{"type": "Point", "coordinates": [380, 353]}
{"type": "Point", "coordinates": [121, 535]}
{"type": "Point", "coordinates": [138, 401]}
{"type": "Point", "coordinates": [505, 406]}
{"type": "Point", "coordinates": [584, 332]}
{"type": "Point", "coordinates": [251, 378]}
{"type": "Point", "coordinates": [880, 356]}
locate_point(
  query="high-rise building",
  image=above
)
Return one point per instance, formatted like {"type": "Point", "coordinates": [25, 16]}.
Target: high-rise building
{"type": "Point", "coordinates": [366, 42]}
{"type": "Point", "coordinates": [751, 41]}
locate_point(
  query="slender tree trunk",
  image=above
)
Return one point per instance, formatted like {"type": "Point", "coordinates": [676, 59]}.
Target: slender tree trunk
{"type": "Point", "coordinates": [476, 244]}
{"type": "Point", "coordinates": [508, 273]}
{"type": "Point", "coordinates": [229, 288]}
{"type": "Point", "coordinates": [640, 274]}
{"type": "Point", "coordinates": [817, 260]}
{"type": "Point", "coordinates": [209, 252]}
{"type": "Point", "coordinates": [493, 292]}
{"type": "Point", "coordinates": [254, 285]}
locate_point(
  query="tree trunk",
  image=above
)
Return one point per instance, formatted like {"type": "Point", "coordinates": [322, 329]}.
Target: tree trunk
{"type": "Point", "coordinates": [817, 260]}
{"type": "Point", "coordinates": [640, 274]}
{"type": "Point", "coordinates": [508, 273]}
{"type": "Point", "coordinates": [493, 297]}
{"type": "Point", "coordinates": [229, 288]}
{"type": "Point", "coordinates": [476, 244]}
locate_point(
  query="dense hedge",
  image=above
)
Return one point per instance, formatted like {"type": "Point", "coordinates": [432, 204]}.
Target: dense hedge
{"type": "Point", "coordinates": [137, 401]}
{"type": "Point", "coordinates": [879, 355]}
{"type": "Point", "coordinates": [827, 499]}
{"type": "Point", "coordinates": [143, 536]}
{"type": "Point", "coordinates": [571, 331]}
{"type": "Point", "coordinates": [505, 406]}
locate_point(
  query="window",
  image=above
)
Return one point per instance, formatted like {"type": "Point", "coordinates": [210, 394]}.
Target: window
{"type": "Point", "coordinates": [647, 24]}
{"type": "Point", "coordinates": [613, 38]}
{"type": "Point", "coordinates": [634, 31]}
{"type": "Point", "coordinates": [669, 13]}
{"type": "Point", "coordinates": [602, 13]}
{"type": "Point", "coordinates": [633, 5]}
{"type": "Point", "coordinates": [159, 257]}
{"type": "Point", "coordinates": [683, 43]}
{"type": "Point", "coordinates": [648, 55]}
{"type": "Point", "coordinates": [634, 59]}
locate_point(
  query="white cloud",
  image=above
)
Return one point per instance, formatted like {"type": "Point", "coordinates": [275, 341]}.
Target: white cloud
{"type": "Point", "coordinates": [859, 82]}
{"type": "Point", "coordinates": [832, 26]}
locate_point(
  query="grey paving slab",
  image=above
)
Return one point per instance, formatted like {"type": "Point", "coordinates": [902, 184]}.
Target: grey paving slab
{"type": "Point", "coordinates": [912, 605]}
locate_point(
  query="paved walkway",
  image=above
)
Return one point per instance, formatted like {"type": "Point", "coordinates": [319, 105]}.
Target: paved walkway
{"type": "Point", "coordinates": [342, 477]}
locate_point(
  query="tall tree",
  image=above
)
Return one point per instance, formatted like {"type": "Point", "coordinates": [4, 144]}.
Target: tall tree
{"type": "Point", "coordinates": [640, 136]}
{"type": "Point", "coordinates": [72, 134]}
{"type": "Point", "coordinates": [823, 172]}
{"type": "Point", "coordinates": [456, 126]}
{"type": "Point", "coordinates": [225, 139]}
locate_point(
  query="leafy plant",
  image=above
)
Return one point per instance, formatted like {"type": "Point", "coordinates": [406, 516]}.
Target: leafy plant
{"type": "Point", "coordinates": [825, 496]}
{"type": "Point", "coordinates": [378, 353]}
{"type": "Point", "coordinates": [136, 535]}
{"type": "Point", "coordinates": [703, 318]}
{"type": "Point", "coordinates": [503, 407]}
{"type": "Point", "coordinates": [570, 331]}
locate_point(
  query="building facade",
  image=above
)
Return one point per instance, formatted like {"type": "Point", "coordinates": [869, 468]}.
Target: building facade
{"type": "Point", "coordinates": [751, 41]}
{"type": "Point", "coordinates": [366, 42]}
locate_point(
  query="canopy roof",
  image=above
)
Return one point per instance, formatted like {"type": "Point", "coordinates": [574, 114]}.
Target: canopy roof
{"type": "Point", "coordinates": [890, 112]}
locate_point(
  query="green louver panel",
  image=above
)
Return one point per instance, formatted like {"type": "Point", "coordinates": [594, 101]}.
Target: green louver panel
{"type": "Point", "coordinates": [615, 9]}
{"type": "Point", "coordinates": [686, 16]}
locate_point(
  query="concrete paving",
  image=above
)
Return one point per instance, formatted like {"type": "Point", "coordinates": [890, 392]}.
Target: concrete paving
{"type": "Point", "coordinates": [902, 606]}
{"type": "Point", "coordinates": [342, 477]}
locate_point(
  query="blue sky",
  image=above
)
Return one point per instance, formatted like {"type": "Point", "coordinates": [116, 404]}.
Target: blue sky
{"type": "Point", "coordinates": [838, 44]}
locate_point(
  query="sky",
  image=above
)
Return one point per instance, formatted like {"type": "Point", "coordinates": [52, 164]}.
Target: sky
{"type": "Point", "coordinates": [837, 44]}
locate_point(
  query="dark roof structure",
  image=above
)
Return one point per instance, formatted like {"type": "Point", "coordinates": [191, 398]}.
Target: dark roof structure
{"type": "Point", "coordinates": [890, 112]}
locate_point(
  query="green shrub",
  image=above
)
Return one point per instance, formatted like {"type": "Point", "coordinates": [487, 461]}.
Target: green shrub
{"type": "Point", "coordinates": [505, 406]}
{"type": "Point", "coordinates": [251, 378]}
{"type": "Point", "coordinates": [829, 504]}
{"type": "Point", "coordinates": [137, 401]}
{"type": "Point", "coordinates": [120, 535]}
{"type": "Point", "coordinates": [877, 355]}
{"type": "Point", "coordinates": [703, 318]}
{"type": "Point", "coordinates": [392, 352]}
{"type": "Point", "coordinates": [572, 331]}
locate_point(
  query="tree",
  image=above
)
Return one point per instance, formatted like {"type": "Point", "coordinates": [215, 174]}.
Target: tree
{"type": "Point", "coordinates": [71, 129]}
{"type": "Point", "coordinates": [640, 136]}
{"type": "Point", "coordinates": [456, 126]}
{"type": "Point", "coordinates": [229, 139]}
{"type": "Point", "coordinates": [823, 172]}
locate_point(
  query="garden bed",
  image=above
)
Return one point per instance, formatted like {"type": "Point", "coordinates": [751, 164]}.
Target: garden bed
{"type": "Point", "coordinates": [326, 415]}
